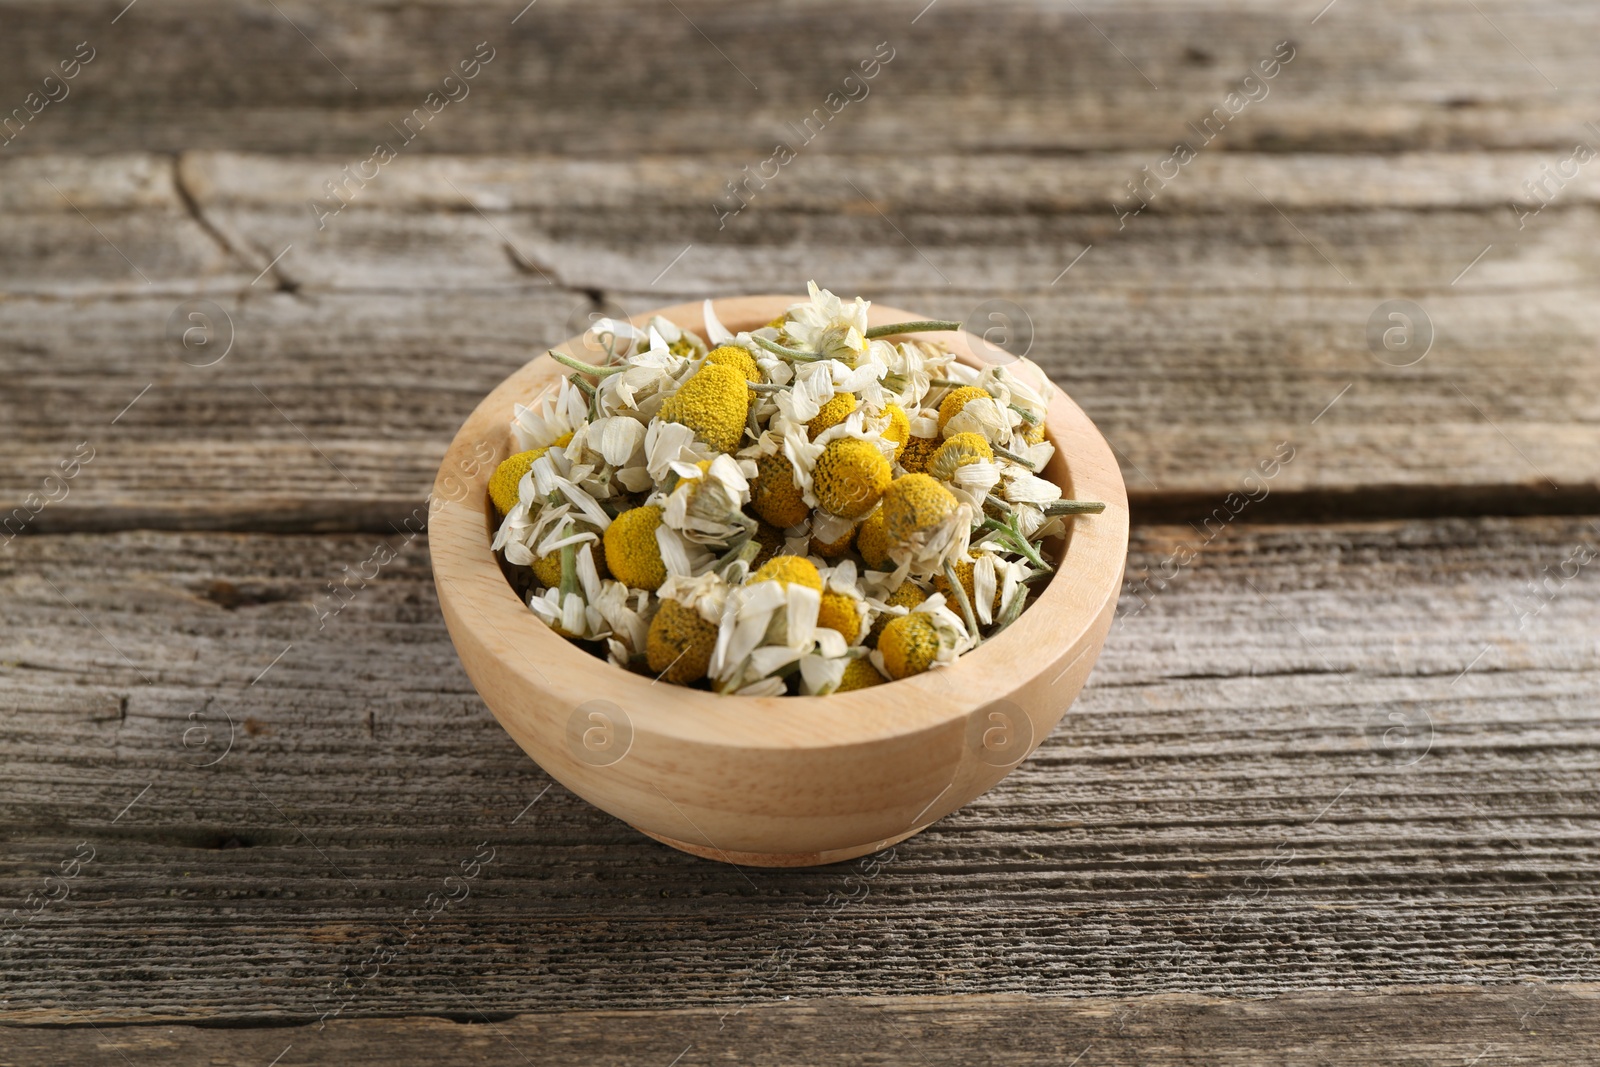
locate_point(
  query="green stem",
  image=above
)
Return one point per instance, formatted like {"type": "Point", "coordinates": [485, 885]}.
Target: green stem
{"type": "Point", "coordinates": [1020, 543]}
{"type": "Point", "coordinates": [1073, 507]}
{"type": "Point", "coordinates": [959, 592]}
{"type": "Point", "coordinates": [917, 326]}
{"type": "Point", "coordinates": [1029, 417]}
{"type": "Point", "coordinates": [786, 353]}
{"type": "Point", "coordinates": [586, 368]}
{"type": "Point", "coordinates": [1013, 457]}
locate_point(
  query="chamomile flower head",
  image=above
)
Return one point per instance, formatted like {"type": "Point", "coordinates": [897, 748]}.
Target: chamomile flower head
{"type": "Point", "coordinates": [924, 523]}
{"type": "Point", "coordinates": [633, 552]}
{"type": "Point", "coordinates": [507, 476]}
{"type": "Point", "coordinates": [909, 644]}
{"type": "Point", "coordinates": [913, 458]}
{"type": "Point", "coordinates": [831, 414]}
{"type": "Point", "coordinates": [907, 595]}
{"type": "Point", "coordinates": [679, 644]}
{"type": "Point", "coordinates": [785, 509]}
{"type": "Point", "coordinates": [872, 541]}
{"type": "Point", "coordinates": [859, 673]}
{"type": "Point", "coordinates": [739, 358]}
{"type": "Point", "coordinates": [775, 496]}
{"type": "Point", "coordinates": [850, 476]}
{"type": "Point", "coordinates": [707, 504]}
{"type": "Point", "coordinates": [898, 428]}
{"type": "Point", "coordinates": [789, 569]}
{"type": "Point", "coordinates": [828, 326]}
{"type": "Point", "coordinates": [958, 450]}
{"type": "Point", "coordinates": [841, 613]}
{"type": "Point", "coordinates": [712, 403]}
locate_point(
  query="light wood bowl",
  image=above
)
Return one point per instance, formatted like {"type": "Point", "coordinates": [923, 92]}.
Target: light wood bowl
{"type": "Point", "coordinates": [773, 781]}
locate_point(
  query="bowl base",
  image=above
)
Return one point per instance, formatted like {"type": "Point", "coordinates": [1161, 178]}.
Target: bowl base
{"type": "Point", "coordinates": [780, 859]}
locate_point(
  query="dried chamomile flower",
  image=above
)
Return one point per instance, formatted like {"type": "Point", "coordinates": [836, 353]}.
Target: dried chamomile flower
{"type": "Point", "coordinates": [712, 403]}
{"type": "Point", "coordinates": [739, 358]}
{"type": "Point", "coordinates": [632, 550]}
{"type": "Point", "coordinates": [909, 645]}
{"type": "Point", "coordinates": [828, 326]}
{"type": "Point", "coordinates": [831, 414]}
{"type": "Point", "coordinates": [913, 458]}
{"type": "Point", "coordinates": [898, 429]}
{"type": "Point", "coordinates": [508, 475]}
{"type": "Point", "coordinates": [859, 674]}
{"type": "Point", "coordinates": [924, 523]}
{"type": "Point", "coordinates": [775, 496]}
{"type": "Point", "coordinates": [907, 595]}
{"type": "Point", "coordinates": [680, 643]}
{"type": "Point", "coordinates": [706, 505]}
{"type": "Point", "coordinates": [850, 476]}
{"type": "Point", "coordinates": [957, 451]}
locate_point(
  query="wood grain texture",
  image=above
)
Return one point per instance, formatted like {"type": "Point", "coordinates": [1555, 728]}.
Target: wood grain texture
{"type": "Point", "coordinates": [1319, 757]}
{"type": "Point", "coordinates": [615, 78]}
{"type": "Point", "coordinates": [1526, 1024]}
{"type": "Point", "coordinates": [1218, 327]}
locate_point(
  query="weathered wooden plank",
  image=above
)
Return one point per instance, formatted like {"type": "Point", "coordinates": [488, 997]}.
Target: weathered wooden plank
{"type": "Point", "coordinates": [621, 78]}
{"type": "Point", "coordinates": [1529, 1024]}
{"type": "Point", "coordinates": [1347, 757]}
{"type": "Point", "coordinates": [1199, 337]}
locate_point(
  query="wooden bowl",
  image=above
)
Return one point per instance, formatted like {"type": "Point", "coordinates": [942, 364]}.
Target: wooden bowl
{"type": "Point", "coordinates": [773, 781]}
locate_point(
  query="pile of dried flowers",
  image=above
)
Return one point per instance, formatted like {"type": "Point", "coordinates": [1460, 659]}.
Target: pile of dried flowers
{"type": "Point", "coordinates": [808, 507]}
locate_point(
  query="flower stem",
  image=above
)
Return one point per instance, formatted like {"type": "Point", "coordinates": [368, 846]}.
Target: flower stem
{"type": "Point", "coordinates": [916, 326]}
{"type": "Point", "coordinates": [1020, 543]}
{"type": "Point", "coordinates": [1073, 507]}
{"type": "Point", "coordinates": [786, 353]}
{"type": "Point", "coordinates": [579, 365]}
{"type": "Point", "coordinates": [959, 592]}
{"type": "Point", "coordinates": [1013, 457]}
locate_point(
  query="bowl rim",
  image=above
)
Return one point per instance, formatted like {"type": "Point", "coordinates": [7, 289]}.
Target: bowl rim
{"type": "Point", "coordinates": [480, 604]}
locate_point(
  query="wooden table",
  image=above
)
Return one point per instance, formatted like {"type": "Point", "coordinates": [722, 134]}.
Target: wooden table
{"type": "Point", "coordinates": [1331, 796]}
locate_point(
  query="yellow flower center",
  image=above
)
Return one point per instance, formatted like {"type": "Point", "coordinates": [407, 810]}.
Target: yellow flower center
{"type": "Point", "coordinates": [738, 358]}
{"type": "Point", "coordinates": [955, 400]}
{"type": "Point", "coordinates": [832, 413]}
{"type": "Point", "coordinates": [679, 643]}
{"type": "Point", "coordinates": [631, 549]}
{"type": "Point", "coordinates": [712, 403]}
{"type": "Point", "coordinates": [840, 612]}
{"type": "Point", "coordinates": [913, 504]}
{"type": "Point", "coordinates": [957, 451]}
{"type": "Point", "coordinates": [773, 494]}
{"type": "Point", "coordinates": [859, 674]}
{"type": "Point", "coordinates": [909, 644]}
{"type": "Point", "coordinates": [850, 476]}
{"type": "Point", "coordinates": [786, 569]}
